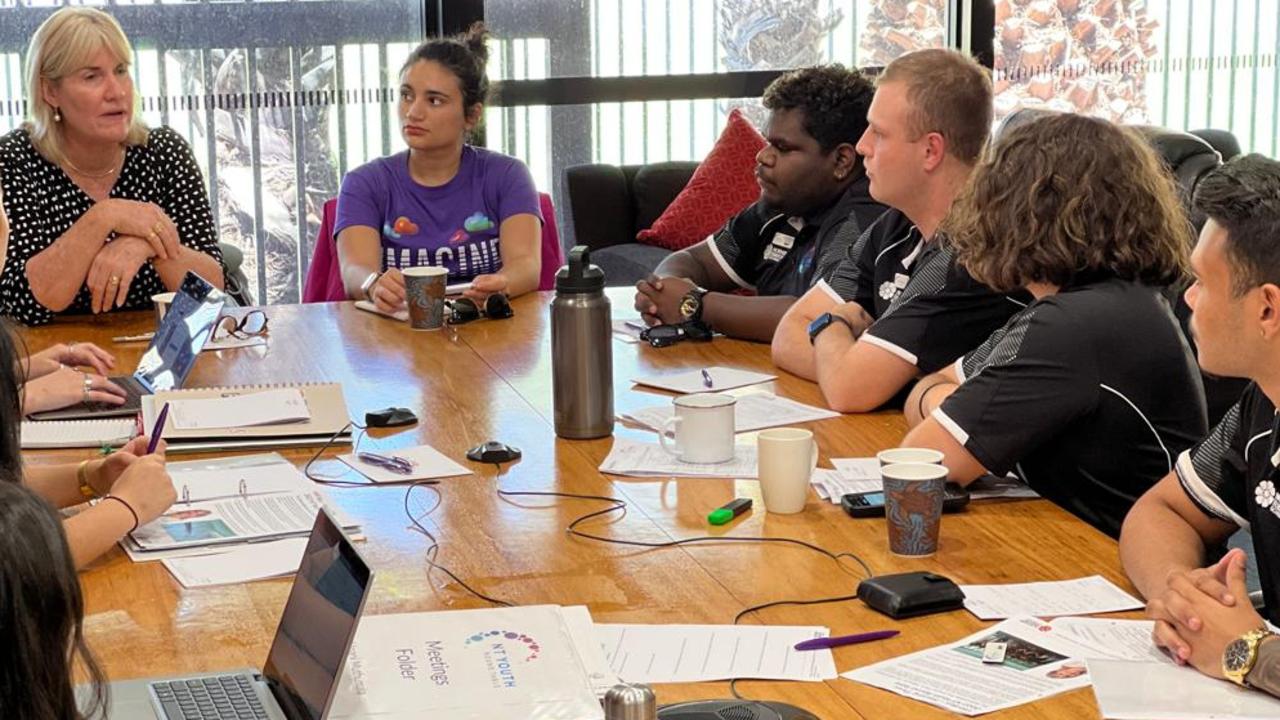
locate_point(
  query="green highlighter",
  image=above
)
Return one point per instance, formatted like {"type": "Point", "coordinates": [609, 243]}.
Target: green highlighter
{"type": "Point", "coordinates": [722, 515]}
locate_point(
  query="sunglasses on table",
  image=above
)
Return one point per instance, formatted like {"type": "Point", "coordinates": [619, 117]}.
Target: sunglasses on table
{"type": "Point", "coordinates": [464, 310]}
{"type": "Point", "coordinates": [666, 335]}
{"type": "Point", "coordinates": [251, 324]}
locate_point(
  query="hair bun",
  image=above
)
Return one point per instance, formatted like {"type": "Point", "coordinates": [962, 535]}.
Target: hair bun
{"type": "Point", "coordinates": [476, 39]}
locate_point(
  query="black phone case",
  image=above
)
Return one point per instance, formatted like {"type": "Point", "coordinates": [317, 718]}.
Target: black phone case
{"type": "Point", "coordinates": [910, 594]}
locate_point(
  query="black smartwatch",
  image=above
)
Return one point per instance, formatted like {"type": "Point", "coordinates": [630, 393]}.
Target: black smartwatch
{"type": "Point", "coordinates": [823, 321]}
{"type": "Point", "coordinates": [691, 304]}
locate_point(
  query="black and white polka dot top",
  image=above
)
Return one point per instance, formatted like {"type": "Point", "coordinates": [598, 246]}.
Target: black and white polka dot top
{"type": "Point", "coordinates": [43, 203]}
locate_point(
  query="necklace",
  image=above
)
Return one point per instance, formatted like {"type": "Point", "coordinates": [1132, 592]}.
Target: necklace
{"type": "Point", "coordinates": [91, 176]}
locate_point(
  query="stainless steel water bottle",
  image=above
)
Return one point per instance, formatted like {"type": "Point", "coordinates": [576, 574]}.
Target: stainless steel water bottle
{"type": "Point", "coordinates": [630, 702]}
{"type": "Point", "coordinates": [581, 350]}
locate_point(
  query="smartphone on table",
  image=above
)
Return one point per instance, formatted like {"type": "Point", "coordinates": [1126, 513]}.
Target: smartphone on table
{"type": "Point", "coordinates": [871, 504]}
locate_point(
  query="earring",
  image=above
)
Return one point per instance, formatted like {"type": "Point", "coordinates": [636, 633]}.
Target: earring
{"type": "Point", "coordinates": [57, 115]}
{"type": "Point", "coordinates": [840, 174]}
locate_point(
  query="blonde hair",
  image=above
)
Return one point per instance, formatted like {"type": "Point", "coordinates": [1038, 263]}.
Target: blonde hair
{"type": "Point", "coordinates": [62, 43]}
{"type": "Point", "coordinates": [950, 94]}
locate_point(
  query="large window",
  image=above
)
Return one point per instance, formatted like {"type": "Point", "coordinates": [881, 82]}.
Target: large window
{"type": "Point", "coordinates": [1176, 63]}
{"type": "Point", "coordinates": [277, 99]}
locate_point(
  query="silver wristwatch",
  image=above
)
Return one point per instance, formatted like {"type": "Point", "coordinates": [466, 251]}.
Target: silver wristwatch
{"type": "Point", "coordinates": [367, 285]}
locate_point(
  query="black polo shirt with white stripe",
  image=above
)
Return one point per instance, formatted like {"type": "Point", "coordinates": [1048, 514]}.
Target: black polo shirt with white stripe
{"type": "Point", "coordinates": [928, 310]}
{"type": "Point", "coordinates": [1232, 476]}
{"type": "Point", "coordinates": [776, 254]}
{"type": "Point", "coordinates": [1088, 395]}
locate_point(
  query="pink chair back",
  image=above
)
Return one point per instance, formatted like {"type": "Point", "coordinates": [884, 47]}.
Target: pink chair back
{"type": "Point", "coordinates": [324, 281]}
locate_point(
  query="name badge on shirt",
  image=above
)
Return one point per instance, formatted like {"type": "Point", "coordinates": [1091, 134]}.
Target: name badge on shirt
{"type": "Point", "coordinates": [900, 281]}
{"type": "Point", "coordinates": [783, 241]}
{"type": "Point", "coordinates": [773, 253]}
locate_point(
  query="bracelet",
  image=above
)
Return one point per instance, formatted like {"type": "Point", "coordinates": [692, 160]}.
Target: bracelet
{"type": "Point", "coordinates": [82, 474]}
{"type": "Point", "coordinates": [129, 507]}
{"type": "Point", "coordinates": [924, 394]}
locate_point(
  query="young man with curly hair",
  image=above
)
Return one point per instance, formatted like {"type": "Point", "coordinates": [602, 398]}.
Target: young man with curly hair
{"type": "Point", "coordinates": [813, 204]}
{"type": "Point", "coordinates": [1089, 393]}
{"type": "Point", "coordinates": [1228, 481]}
{"type": "Point", "coordinates": [898, 306]}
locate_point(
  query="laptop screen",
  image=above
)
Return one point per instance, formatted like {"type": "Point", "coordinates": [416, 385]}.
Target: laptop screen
{"type": "Point", "coordinates": [181, 335]}
{"type": "Point", "coordinates": [318, 624]}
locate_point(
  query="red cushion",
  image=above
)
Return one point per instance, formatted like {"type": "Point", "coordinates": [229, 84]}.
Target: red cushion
{"type": "Point", "coordinates": [722, 186]}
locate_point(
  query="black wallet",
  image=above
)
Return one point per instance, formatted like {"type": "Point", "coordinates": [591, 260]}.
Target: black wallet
{"type": "Point", "coordinates": [910, 594]}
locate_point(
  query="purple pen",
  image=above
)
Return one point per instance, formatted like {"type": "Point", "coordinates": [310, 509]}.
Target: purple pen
{"type": "Point", "coordinates": [827, 643]}
{"type": "Point", "coordinates": [158, 429]}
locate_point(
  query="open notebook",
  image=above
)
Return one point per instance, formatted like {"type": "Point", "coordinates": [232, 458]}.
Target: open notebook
{"type": "Point", "coordinates": [326, 409]}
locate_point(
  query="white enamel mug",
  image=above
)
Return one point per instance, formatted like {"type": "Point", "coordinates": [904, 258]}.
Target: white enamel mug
{"type": "Point", "coordinates": [702, 428]}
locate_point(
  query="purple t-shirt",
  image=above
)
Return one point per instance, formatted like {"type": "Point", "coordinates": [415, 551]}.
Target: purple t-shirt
{"type": "Point", "coordinates": [454, 225]}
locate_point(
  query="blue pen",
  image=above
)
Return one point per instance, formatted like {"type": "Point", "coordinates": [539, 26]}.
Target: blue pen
{"type": "Point", "coordinates": [155, 431]}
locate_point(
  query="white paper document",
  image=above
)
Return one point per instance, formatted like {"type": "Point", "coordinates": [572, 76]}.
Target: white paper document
{"type": "Point", "coordinates": [754, 411]}
{"type": "Point", "coordinates": [637, 459]}
{"type": "Point", "coordinates": [259, 561]}
{"type": "Point", "coordinates": [77, 433]}
{"type": "Point", "coordinates": [232, 521]}
{"type": "Point", "coordinates": [628, 330]}
{"type": "Point", "coordinates": [833, 484]}
{"type": "Point", "coordinates": [696, 653]}
{"type": "Point", "coordinates": [1083, 596]}
{"type": "Point", "coordinates": [1039, 661]}
{"type": "Point", "coordinates": [1114, 639]}
{"type": "Point", "coordinates": [427, 463]}
{"type": "Point", "coordinates": [270, 407]}
{"type": "Point", "coordinates": [693, 381]}
{"type": "Point", "coordinates": [1127, 690]}
{"type": "Point", "coordinates": [231, 342]}
{"type": "Point", "coordinates": [864, 475]}
{"type": "Point", "coordinates": [518, 662]}
{"type": "Point", "coordinates": [365, 305]}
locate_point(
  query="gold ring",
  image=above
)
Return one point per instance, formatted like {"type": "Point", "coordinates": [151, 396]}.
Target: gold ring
{"type": "Point", "coordinates": [114, 280]}
{"type": "Point", "coordinates": [157, 227]}
{"type": "Point", "coordinates": [152, 235]}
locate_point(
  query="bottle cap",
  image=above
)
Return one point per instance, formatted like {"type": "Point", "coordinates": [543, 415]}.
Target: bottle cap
{"type": "Point", "coordinates": [579, 276]}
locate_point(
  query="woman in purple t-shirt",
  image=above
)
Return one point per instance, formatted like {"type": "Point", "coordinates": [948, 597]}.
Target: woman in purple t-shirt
{"type": "Point", "coordinates": [442, 202]}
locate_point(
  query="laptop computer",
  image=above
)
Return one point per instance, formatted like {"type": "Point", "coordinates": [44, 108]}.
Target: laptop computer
{"type": "Point", "coordinates": [305, 663]}
{"type": "Point", "coordinates": [168, 360]}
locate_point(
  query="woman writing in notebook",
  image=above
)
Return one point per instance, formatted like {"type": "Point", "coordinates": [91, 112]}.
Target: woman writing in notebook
{"type": "Point", "coordinates": [443, 202]}
{"type": "Point", "coordinates": [41, 616]}
{"type": "Point", "coordinates": [132, 487]}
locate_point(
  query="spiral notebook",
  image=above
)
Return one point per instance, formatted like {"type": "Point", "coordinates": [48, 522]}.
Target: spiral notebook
{"type": "Point", "coordinates": [326, 406]}
{"type": "Point", "coordinates": [77, 433]}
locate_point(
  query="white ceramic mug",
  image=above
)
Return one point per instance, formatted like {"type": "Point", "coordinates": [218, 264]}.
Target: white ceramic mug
{"type": "Point", "coordinates": [788, 457]}
{"type": "Point", "coordinates": [702, 428]}
{"type": "Point", "coordinates": [896, 456]}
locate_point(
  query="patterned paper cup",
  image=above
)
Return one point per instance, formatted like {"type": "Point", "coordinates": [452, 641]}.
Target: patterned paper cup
{"type": "Point", "coordinates": [913, 495]}
{"type": "Point", "coordinates": [424, 290]}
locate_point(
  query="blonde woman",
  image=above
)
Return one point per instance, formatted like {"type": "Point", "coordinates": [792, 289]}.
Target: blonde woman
{"type": "Point", "coordinates": [103, 212]}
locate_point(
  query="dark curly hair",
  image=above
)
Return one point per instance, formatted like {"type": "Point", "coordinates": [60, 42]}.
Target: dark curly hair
{"type": "Point", "coordinates": [463, 55]}
{"type": "Point", "coordinates": [1067, 199]}
{"type": "Point", "coordinates": [834, 101]}
{"type": "Point", "coordinates": [1243, 196]}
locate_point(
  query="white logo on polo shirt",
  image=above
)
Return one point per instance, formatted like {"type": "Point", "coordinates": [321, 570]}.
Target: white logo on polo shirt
{"type": "Point", "coordinates": [1265, 496]}
{"type": "Point", "coordinates": [889, 290]}
{"type": "Point", "coordinates": [783, 241]}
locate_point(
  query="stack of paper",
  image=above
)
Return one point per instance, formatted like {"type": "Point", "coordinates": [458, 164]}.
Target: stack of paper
{"type": "Point", "coordinates": [710, 379]}
{"type": "Point", "coordinates": [237, 507]}
{"type": "Point", "coordinates": [427, 462]}
{"type": "Point", "coordinates": [754, 411]}
{"type": "Point", "coordinates": [832, 484]}
{"type": "Point", "coordinates": [637, 459]}
{"type": "Point", "coordinates": [519, 662]}
{"type": "Point", "coordinates": [269, 407]}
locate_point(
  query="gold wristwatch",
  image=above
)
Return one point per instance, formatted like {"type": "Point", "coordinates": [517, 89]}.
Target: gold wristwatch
{"type": "Point", "coordinates": [1241, 654]}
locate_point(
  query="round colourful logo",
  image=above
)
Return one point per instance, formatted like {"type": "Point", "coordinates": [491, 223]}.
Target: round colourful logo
{"type": "Point", "coordinates": [530, 644]}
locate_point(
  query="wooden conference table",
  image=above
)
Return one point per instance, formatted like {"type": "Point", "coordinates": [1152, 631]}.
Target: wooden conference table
{"type": "Point", "coordinates": [492, 380]}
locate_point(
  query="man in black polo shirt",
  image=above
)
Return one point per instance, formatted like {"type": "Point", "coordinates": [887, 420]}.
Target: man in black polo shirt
{"type": "Point", "coordinates": [813, 204]}
{"type": "Point", "coordinates": [1230, 480]}
{"type": "Point", "coordinates": [897, 306]}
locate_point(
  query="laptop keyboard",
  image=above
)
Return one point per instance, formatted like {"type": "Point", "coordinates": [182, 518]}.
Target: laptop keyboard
{"type": "Point", "coordinates": [219, 697]}
{"type": "Point", "coordinates": [132, 397]}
